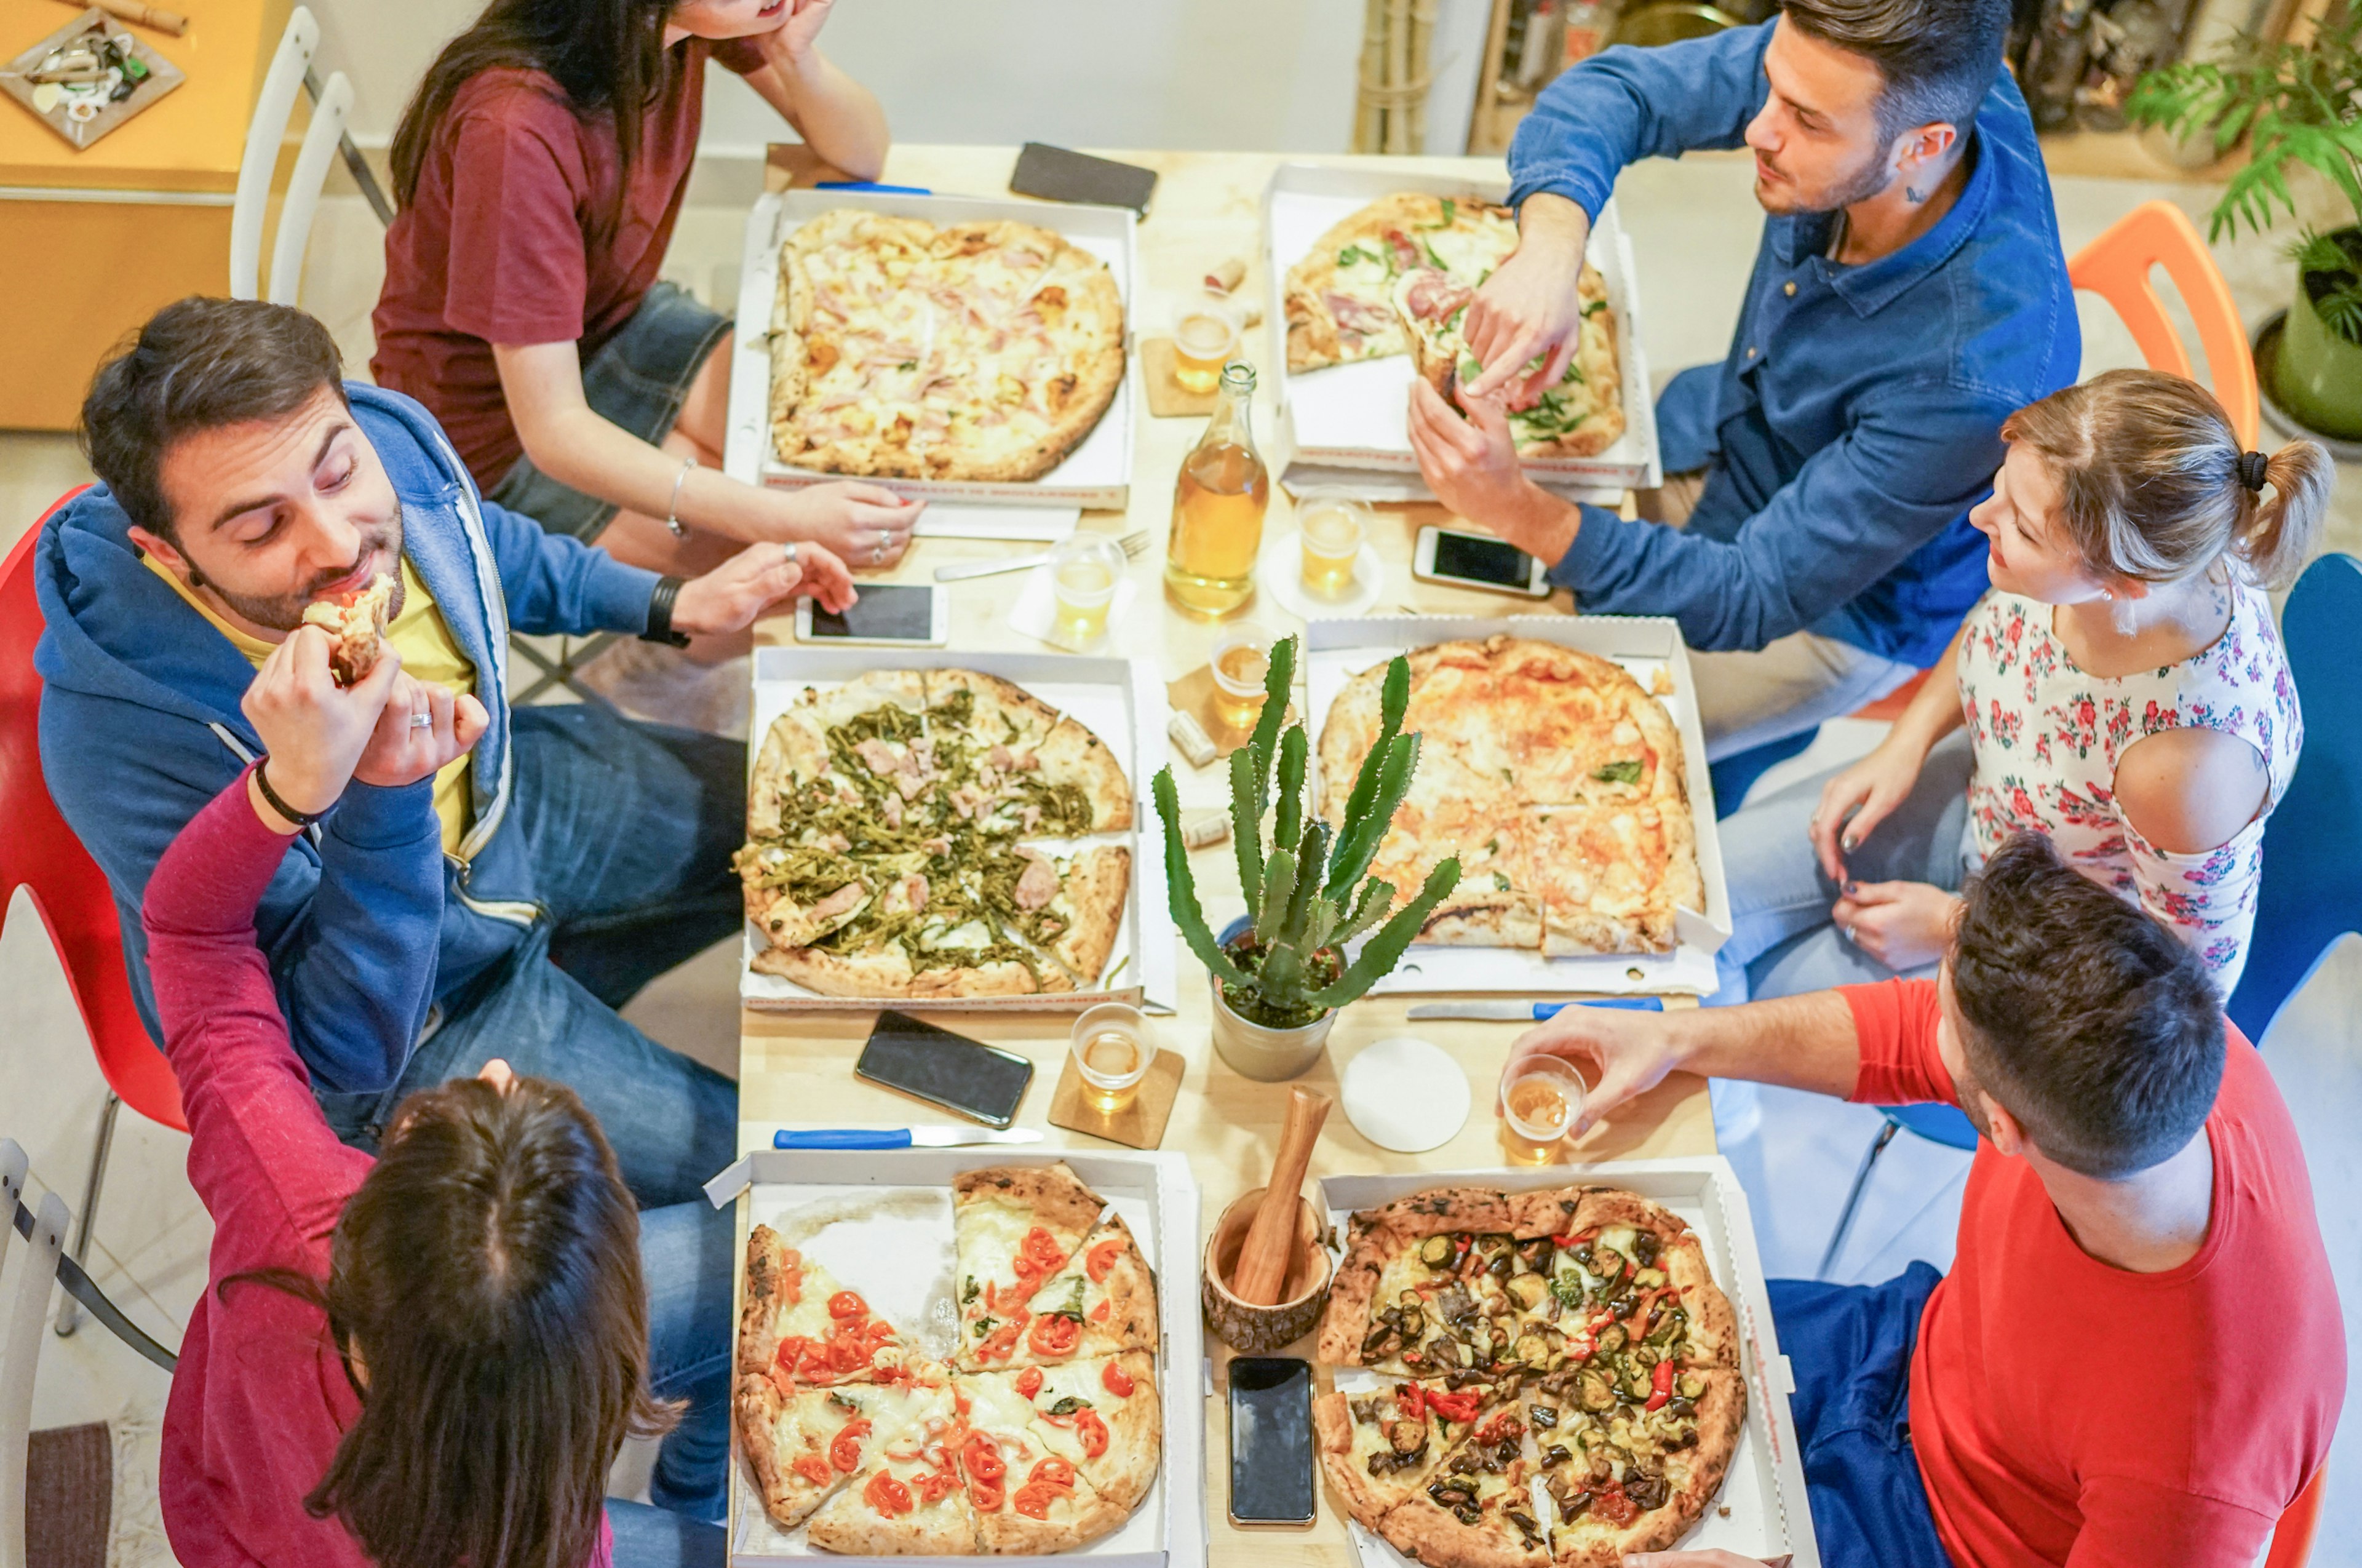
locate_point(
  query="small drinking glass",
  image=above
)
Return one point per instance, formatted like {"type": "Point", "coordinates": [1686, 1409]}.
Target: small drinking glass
{"type": "Point", "coordinates": [1540, 1101]}
{"type": "Point", "coordinates": [1330, 524]}
{"type": "Point", "coordinates": [1084, 571]}
{"type": "Point", "coordinates": [1204, 338]}
{"type": "Point", "coordinates": [1241, 659]}
{"type": "Point", "coordinates": [1113, 1050]}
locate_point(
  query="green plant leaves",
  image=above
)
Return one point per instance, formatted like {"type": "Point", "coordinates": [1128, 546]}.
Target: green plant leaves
{"type": "Point", "coordinates": [1181, 886]}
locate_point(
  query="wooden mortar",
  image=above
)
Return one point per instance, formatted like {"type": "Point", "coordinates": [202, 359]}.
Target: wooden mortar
{"type": "Point", "coordinates": [1242, 1326]}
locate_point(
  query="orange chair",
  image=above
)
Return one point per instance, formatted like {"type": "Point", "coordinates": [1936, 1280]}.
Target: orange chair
{"type": "Point", "coordinates": [2116, 268]}
{"type": "Point", "coordinates": [40, 853]}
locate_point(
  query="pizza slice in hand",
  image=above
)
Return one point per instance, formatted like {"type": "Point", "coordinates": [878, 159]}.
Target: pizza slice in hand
{"type": "Point", "coordinates": [803, 1328]}
{"type": "Point", "coordinates": [1378, 1448]}
{"type": "Point", "coordinates": [356, 625]}
{"type": "Point", "coordinates": [1014, 1228]}
{"type": "Point", "coordinates": [913, 1499]}
{"type": "Point", "coordinates": [1478, 1507]}
{"type": "Point", "coordinates": [1101, 1302]}
{"type": "Point", "coordinates": [1581, 417]}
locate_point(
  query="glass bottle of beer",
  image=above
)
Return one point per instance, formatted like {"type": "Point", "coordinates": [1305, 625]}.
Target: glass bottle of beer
{"type": "Point", "coordinates": [1218, 506]}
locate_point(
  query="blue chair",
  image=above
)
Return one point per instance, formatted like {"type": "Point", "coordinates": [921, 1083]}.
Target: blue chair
{"type": "Point", "coordinates": [2312, 853]}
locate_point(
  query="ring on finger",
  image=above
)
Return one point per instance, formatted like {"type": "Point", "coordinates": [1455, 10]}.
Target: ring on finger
{"type": "Point", "coordinates": [1853, 926]}
{"type": "Point", "coordinates": [791, 548]}
{"type": "Point", "coordinates": [422, 720]}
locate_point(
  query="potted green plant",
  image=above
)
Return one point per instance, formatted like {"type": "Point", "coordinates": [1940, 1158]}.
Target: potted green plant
{"type": "Point", "coordinates": [2298, 105]}
{"type": "Point", "coordinates": [1279, 974]}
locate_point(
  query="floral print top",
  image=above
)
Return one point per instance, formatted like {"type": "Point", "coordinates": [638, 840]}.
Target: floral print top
{"type": "Point", "coordinates": [2048, 739]}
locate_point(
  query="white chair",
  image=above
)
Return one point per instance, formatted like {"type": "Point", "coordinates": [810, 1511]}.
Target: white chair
{"type": "Point", "coordinates": [332, 105]}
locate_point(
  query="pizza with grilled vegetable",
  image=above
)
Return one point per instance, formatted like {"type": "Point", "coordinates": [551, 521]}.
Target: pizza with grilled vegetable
{"type": "Point", "coordinates": [1562, 1379]}
{"type": "Point", "coordinates": [1556, 780]}
{"type": "Point", "coordinates": [983, 351]}
{"type": "Point", "coordinates": [911, 834]}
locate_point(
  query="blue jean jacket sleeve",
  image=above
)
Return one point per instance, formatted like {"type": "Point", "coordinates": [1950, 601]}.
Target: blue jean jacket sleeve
{"type": "Point", "coordinates": [1858, 508]}
{"type": "Point", "coordinates": [556, 584]}
{"type": "Point", "coordinates": [1627, 104]}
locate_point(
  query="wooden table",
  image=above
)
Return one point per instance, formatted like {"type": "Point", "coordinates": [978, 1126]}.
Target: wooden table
{"type": "Point", "coordinates": [799, 1068]}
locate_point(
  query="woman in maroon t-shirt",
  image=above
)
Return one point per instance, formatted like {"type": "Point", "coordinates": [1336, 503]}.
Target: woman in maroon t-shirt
{"type": "Point", "coordinates": [540, 169]}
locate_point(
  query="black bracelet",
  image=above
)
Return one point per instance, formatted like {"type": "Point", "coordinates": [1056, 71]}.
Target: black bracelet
{"type": "Point", "coordinates": [660, 604]}
{"type": "Point", "coordinates": [301, 819]}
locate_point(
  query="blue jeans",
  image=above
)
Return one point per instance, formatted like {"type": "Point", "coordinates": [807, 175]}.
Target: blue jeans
{"type": "Point", "coordinates": [637, 379]}
{"type": "Point", "coordinates": [1782, 941]}
{"type": "Point", "coordinates": [652, 1538]}
{"type": "Point", "coordinates": [685, 1261]}
{"type": "Point", "coordinates": [1851, 1347]}
{"type": "Point", "coordinates": [631, 827]}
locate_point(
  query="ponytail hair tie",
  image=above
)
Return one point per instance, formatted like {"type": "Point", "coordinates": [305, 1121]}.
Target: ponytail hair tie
{"type": "Point", "coordinates": [2251, 470]}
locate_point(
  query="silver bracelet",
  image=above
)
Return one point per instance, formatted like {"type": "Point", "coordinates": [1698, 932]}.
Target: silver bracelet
{"type": "Point", "coordinates": [672, 508]}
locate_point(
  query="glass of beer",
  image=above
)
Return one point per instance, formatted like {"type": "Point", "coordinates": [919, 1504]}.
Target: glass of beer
{"type": "Point", "coordinates": [1330, 524]}
{"type": "Point", "coordinates": [1240, 661]}
{"type": "Point", "coordinates": [1114, 1049]}
{"type": "Point", "coordinates": [1084, 571]}
{"type": "Point", "coordinates": [1204, 338]}
{"type": "Point", "coordinates": [1539, 1102]}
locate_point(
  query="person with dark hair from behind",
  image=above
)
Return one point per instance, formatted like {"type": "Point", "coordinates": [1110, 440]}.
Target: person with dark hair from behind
{"type": "Point", "coordinates": [2137, 1357]}
{"type": "Point", "coordinates": [1908, 293]}
{"type": "Point", "coordinates": [539, 167]}
{"type": "Point", "coordinates": [432, 1358]}
{"type": "Point", "coordinates": [572, 856]}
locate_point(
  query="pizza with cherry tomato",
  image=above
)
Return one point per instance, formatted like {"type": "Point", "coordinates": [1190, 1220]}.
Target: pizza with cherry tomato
{"type": "Point", "coordinates": [1017, 1228]}
{"type": "Point", "coordinates": [1561, 1377]}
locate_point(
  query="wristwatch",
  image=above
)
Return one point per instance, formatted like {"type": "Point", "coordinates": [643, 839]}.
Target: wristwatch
{"type": "Point", "coordinates": [301, 819]}
{"type": "Point", "coordinates": [660, 604]}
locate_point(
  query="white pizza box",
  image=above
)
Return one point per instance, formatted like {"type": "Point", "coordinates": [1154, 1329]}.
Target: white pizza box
{"type": "Point", "coordinates": [1649, 647]}
{"type": "Point", "coordinates": [882, 1223]}
{"type": "Point", "coordinates": [1097, 474]}
{"type": "Point", "coordinates": [1346, 422]}
{"type": "Point", "coordinates": [1121, 700]}
{"type": "Point", "coordinates": [1762, 1511]}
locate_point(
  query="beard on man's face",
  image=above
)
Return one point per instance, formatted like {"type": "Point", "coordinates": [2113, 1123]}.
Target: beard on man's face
{"type": "Point", "coordinates": [284, 611]}
{"type": "Point", "coordinates": [1857, 184]}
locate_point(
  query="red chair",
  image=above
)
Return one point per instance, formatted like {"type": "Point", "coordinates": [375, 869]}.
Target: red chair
{"type": "Point", "coordinates": [40, 853]}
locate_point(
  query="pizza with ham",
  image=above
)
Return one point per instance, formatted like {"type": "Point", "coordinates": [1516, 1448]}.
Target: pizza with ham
{"type": "Point", "coordinates": [356, 625]}
{"type": "Point", "coordinates": [983, 351]}
{"type": "Point", "coordinates": [1560, 1378]}
{"type": "Point", "coordinates": [913, 834]}
{"type": "Point", "coordinates": [1556, 779]}
{"type": "Point", "coordinates": [1044, 1432]}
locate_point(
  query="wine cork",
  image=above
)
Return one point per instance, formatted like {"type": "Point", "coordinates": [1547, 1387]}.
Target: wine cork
{"type": "Point", "coordinates": [1227, 276]}
{"type": "Point", "coordinates": [1212, 827]}
{"type": "Point", "coordinates": [1191, 737]}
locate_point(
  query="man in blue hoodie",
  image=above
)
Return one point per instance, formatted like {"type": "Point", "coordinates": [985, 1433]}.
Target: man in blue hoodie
{"type": "Point", "coordinates": [507, 906]}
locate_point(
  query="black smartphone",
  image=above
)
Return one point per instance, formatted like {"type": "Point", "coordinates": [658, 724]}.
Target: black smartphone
{"type": "Point", "coordinates": [1270, 1441]}
{"type": "Point", "coordinates": [914, 613]}
{"type": "Point", "coordinates": [965, 1076]}
{"type": "Point", "coordinates": [1058, 175]}
{"type": "Point", "coordinates": [1479, 560]}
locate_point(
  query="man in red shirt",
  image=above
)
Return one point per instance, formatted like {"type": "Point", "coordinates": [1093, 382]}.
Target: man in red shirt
{"type": "Point", "coordinates": [2137, 1358]}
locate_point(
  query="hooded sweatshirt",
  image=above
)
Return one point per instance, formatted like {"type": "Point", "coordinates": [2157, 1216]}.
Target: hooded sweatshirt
{"type": "Point", "coordinates": [364, 931]}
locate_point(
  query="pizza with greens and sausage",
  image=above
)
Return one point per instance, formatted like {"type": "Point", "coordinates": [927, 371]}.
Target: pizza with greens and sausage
{"type": "Point", "coordinates": [1558, 1377]}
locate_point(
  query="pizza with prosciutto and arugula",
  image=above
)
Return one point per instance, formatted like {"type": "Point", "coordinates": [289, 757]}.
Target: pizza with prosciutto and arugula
{"type": "Point", "coordinates": [1043, 1434]}
{"type": "Point", "coordinates": [1561, 1377]}
{"type": "Point", "coordinates": [980, 351]}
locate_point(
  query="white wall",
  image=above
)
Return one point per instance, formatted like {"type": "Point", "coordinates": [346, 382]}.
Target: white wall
{"type": "Point", "coordinates": [1274, 74]}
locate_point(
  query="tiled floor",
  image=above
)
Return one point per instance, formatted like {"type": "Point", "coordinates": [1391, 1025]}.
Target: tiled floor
{"type": "Point", "coordinates": [1694, 225]}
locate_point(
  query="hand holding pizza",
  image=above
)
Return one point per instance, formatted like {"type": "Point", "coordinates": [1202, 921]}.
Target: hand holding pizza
{"type": "Point", "coordinates": [1472, 465]}
{"type": "Point", "coordinates": [313, 731]}
{"type": "Point", "coordinates": [731, 596]}
{"type": "Point", "coordinates": [865, 525]}
{"type": "Point", "coordinates": [1903, 925]}
{"type": "Point", "coordinates": [1528, 306]}
{"type": "Point", "coordinates": [1633, 1051]}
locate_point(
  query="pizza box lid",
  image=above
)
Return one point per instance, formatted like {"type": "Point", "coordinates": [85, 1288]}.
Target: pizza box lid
{"type": "Point", "coordinates": [1764, 1493]}
{"type": "Point", "coordinates": [1121, 700]}
{"type": "Point", "coordinates": [1649, 647]}
{"type": "Point", "coordinates": [1346, 422]}
{"type": "Point", "coordinates": [882, 1222]}
{"type": "Point", "coordinates": [1096, 474]}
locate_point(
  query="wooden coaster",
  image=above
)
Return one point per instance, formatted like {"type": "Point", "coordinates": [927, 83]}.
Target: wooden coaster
{"type": "Point", "coordinates": [1194, 694]}
{"type": "Point", "coordinates": [1167, 398]}
{"type": "Point", "coordinates": [1141, 1124]}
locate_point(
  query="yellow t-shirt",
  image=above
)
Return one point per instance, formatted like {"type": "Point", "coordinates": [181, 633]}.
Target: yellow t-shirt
{"type": "Point", "coordinates": [428, 652]}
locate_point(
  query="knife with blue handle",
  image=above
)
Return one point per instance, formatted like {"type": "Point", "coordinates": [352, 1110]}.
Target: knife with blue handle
{"type": "Point", "coordinates": [899, 1137]}
{"type": "Point", "coordinates": [1526, 1011]}
{"type": "Point", "coordinates": [872, 185]}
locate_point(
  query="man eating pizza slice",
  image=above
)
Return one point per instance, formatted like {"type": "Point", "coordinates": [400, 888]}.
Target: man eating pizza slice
{"type": "Point", "coordinates": [2137, 1356]}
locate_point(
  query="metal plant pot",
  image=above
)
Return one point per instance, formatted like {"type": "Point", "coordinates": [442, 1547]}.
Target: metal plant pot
{"type": "Point", "coordinates": [1256, 1051]}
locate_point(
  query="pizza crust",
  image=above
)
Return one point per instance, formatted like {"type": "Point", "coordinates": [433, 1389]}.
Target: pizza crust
{"type": "Point", "coordinates": [1091, 895]}
{"type": "Point", "coordinates": [1053, 1195]}
{"type": "Point", "coordinates": [1073, 1522]}
{"type": "Point", "coordinates": [1420, 1530]}
{"type": "Point", "coordinates": [1071, 754]}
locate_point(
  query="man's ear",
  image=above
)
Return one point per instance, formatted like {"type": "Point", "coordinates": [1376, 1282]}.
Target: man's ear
{"type": "Point", "coordinates": [1926, 146]}
{"type": "Point", "coordinates": [161, 549]}
{"type": "Point", "coordinates": [2008, 1137]}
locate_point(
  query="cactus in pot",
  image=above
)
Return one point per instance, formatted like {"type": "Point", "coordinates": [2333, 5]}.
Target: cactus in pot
{"type": "Point", "coordinates": [1308, 893]}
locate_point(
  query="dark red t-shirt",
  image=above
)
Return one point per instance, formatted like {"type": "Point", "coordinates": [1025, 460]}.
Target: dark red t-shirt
{"type": "Point", "coordinates": [2067, 1411]}
{"type": "Point", "coordinates": [505, 239]}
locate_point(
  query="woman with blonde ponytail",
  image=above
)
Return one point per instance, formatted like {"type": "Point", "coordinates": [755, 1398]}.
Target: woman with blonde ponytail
{"type": "Point", "coordinates": [2121, 691]}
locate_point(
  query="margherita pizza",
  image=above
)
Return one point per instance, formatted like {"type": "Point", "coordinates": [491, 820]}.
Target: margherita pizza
{"type": "Point", "coordinates": [1555, 779]}
{"type": "Point", "coordinates": [976, 351]}
{"type": "Point", "coordinates": [1396, 277]}
{"type": "Point", "coordinates": [1563, 1377]}
{"type": "Point", "coordinates": [899, 841]}
{"type": "Point", "coordinates": [1046, 1435]}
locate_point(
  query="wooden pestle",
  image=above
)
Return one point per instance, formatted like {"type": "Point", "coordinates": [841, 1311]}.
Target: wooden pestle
{"type": "Point", "coordinates": [1261, 1273]}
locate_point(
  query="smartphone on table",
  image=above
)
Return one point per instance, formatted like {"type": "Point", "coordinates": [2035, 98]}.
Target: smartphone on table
{"type": "Point", "coordinates": [1057, 174]}
{"type": "Point", "coordinates": [1270, 1441]}
{"type": "Point", "coordinates": [967, 1078]}
{"type": "Point", "coordinates": [1478, 561]}
{"type": "Point", "coordinates": [910, 614]}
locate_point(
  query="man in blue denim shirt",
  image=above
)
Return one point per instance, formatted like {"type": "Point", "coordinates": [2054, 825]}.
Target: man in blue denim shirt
{"type": "Point", "coordinates": [1909, 294]}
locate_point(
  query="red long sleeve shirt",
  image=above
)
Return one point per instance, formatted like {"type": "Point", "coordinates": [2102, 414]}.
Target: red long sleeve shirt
{"type": "Point", "coordinates": [261, 1397]}
{"type": "Point", "coordinates": [2066, 1412]}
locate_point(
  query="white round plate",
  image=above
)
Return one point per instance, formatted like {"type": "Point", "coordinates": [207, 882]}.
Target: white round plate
{"type": "Point", "coordinates": [1404, 1094]}
{"type": "Point", "coordinates": [1280, 573]}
